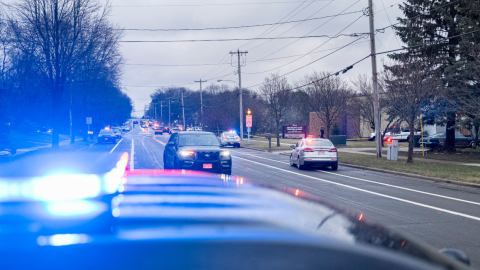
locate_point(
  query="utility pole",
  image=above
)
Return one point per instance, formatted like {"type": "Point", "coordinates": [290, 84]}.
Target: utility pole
{"type": "Point", "coordinates": [201, 102]}
{"type": "Point", "coordinates": [376, 104]}
{"type": "Point", "coordinates": [161, 112]}
{"type": "Point", "coordinates": [183, 111]}
{"type": "Point", "coordinates": [238, 53]}
{"type": "Point", "coordinates": [155, 104]}
{"type": "Point", "coordinates": [169, 113]}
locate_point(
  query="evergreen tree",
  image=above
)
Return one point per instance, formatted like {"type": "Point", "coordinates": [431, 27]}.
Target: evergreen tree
{"type": "Point", "coordinates": [439, 25]}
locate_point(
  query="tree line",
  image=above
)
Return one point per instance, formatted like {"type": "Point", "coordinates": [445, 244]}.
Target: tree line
{"type": "Point", "coordinates": [60, 64]}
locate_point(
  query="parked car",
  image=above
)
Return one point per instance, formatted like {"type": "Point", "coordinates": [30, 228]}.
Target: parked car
{"type": "Point", "coordinates": [314, 152]}
{"type": "Point", "coordinates": [167, 130]}
{"type": "Point", "coordinates": [372, 136]}
{"type": "Point", "coordinates": [106, 136]}
{"type": "Point", "coordinates": [229, 138]}
{"type": "Point", "coordinates": [196, 150]}
{"type": "Point", "coordinates": [439, 140]}
{"type": "Point", "coordinates": [135, 122]}
{"type": "Point", "coordinates": [158, 130]}
{"type": "Point", "coordinates": [197, 128]}
{"type": "Point", "coordinates": [405, 135]}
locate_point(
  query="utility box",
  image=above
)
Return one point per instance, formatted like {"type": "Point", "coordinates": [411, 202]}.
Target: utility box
{"type": "Point", "coordinates": [269, 137]}
{"type": "Point", "coordinates": [392, 153]}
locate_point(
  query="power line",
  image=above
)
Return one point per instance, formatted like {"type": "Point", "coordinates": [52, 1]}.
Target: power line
{"type": "Point", "coordinates": [310, 31]}
{"type": "Point", "coordinates": [314, 50]}
{"type": "Point", "coordinates": [220, 4]}
{"type": "Point", "coordinates": [233, 27]}
{"type": "Point", "coordinates": [271, 27]}
{"type": "Point", "coordinates": [388, 17]}
{"type": "Point", "coordinates": [344, 70]}
{"type": "Point", "coordinates": [277, 27]}
{"type": "Point", "coordinates": [296, 24]}
{"type": "Point", "coordinates": [225, 63]}
{"type": "Point", "coordinates": [382, 29]}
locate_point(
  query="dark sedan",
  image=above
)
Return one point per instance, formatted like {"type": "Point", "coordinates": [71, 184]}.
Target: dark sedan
{"type": "Point", "coordinates": [439, 140]}
{"type": "Point", "coordinates": [158, 130]}
{"type": "Point", "coordinates": [107, 136]}
{"type": "Point", "coordinates": [196, 151]}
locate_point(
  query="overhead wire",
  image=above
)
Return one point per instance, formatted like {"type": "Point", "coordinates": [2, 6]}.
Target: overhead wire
{"type": "Point", "coordinates": [314, 49]}
{"type": "Point", "coordinates": [310, 31]}
{"type": "Point", "coordinates": [293, 26]}
{"type": "Point", "coordinates": [219, 4]}
{"type": "Point", "coordinates": [296, 24]}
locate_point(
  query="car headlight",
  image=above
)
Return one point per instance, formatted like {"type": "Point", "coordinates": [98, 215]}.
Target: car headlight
{"type": "Point", "coordinates": [186, 153]}
{"type": "Point", "coordinates": [225, 153]}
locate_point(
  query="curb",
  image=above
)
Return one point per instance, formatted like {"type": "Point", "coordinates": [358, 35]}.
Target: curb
{"type": "Point", "coordinates": [434, 179]}
{"type": "Point", "coordinates": [429, 178]}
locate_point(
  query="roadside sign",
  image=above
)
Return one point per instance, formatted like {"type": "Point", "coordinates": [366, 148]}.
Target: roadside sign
{"type": "Point", "coordinates": [89, 120]}
{"type": "Point", "coordinates": [249, 120]}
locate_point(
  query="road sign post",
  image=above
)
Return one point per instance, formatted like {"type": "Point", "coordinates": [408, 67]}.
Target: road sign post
{"type": "Point", "coordinates": [89, 122]}
{"type": "Point", "coordinates": [248, 123]}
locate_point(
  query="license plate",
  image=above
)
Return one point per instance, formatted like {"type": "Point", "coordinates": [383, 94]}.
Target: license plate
{"type": "Point", "coordinates": [208, 166]}
{"type": "Point", "coordinates": [321, 152]}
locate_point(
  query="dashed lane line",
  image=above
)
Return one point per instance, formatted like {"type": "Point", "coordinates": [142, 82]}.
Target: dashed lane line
{"type": "Point", "coordinates": [111, 151]}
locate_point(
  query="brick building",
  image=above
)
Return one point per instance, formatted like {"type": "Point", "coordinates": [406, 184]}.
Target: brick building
{"type": "Point", "coordinates": [348, 124]}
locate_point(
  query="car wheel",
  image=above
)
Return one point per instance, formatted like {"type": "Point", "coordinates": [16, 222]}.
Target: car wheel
{"type": "Point", "coordinates": [237, 145]}
{"type": "Point", "coordinates": [291, 161]}
{"type": "Point", "coordinates": [335, 167]}
{"type": "Point", "coordinates": [408, 139]}
{"type": "Point", "coordinates": [299, 166]}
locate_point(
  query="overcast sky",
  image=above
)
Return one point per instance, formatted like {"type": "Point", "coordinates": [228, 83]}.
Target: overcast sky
{"type": "Point", "coordinates": [141, 77]}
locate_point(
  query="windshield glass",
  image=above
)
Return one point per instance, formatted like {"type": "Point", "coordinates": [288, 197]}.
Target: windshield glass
{"type": "Point", "coordinates": [106, 132]}
{"type": "Point", "coordinates": [198, 139]}
{"type": "Point", "coordinates": [438, 135]}
{"type": "Point", "coordinates": [230, 134]}
{"type": "Point", "coordinates": [319, 143]}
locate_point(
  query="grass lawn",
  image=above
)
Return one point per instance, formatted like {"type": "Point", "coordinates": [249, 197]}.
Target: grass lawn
{"type": "Point", "coordinates": [462, 155]}
{"type": "Point", "coordinates": [289, 141]}
{"type": "Point", "coordinates": [451, 172]}
{"type": "Point", "coordinates": [264, 146]}
{"type": "Point", "coordinates": [26, 140]}
{"type": "Point", "coordinates": [365, 144]}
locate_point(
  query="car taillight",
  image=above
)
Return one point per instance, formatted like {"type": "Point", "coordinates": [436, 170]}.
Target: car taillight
{"type": "Point", "coordinates": [334, 150]}
{"type": "Point", "coordinates": [224, 138]}
{"type": "Point", "coordinates": [308, 150]}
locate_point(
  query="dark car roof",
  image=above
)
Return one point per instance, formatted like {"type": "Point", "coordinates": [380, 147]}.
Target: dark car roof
{"type": "Point", "coordinates": [192, 220]}
{"type": "Point", "coordinates": [195, 132]}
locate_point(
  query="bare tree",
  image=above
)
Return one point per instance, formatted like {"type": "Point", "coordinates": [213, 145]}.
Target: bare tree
{"type": "Point", "coordinates": [60, 35]}
{"type": "Point", "coordinates": [276, 93]}
{"type": "Point", "coordinates": [328, 97]}
{"type": "Point", "coordinates": [410, 85]}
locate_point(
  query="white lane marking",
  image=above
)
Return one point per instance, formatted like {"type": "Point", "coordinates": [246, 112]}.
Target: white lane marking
{"type": "Point", "coordinates": [131, 157]}
{"type": "Point", "coordinates": [155, 139]}
{"type": "Point", "coordinates": [116, 146]}
{"type": "Point", "coordinates": [380, 183]}
{"type": "Point", "coordinates": [372, 192]}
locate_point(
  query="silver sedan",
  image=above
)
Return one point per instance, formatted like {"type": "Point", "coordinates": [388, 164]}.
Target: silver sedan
{"type": "Point", "coordinates": [314, 152]}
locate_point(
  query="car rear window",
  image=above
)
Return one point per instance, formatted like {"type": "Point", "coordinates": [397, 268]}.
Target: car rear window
{"type": "Point", "coordinates": [197, 139]}
{"type": "Point", "coordinates": [230, 134]}
{"type": "Point", "coordinates": [318, 143]}
{"type": "Point", "coordinates": [106, 132]}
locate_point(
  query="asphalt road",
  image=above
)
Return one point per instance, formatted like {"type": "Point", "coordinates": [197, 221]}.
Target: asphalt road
{"type": "Point", "coordinates": [439, 214]}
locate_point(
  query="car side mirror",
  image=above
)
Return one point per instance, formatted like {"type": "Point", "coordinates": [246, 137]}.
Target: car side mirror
{"type": "Point", "coordinates": [456, 254]}
{"type": "Point", "coordinates": [292, 146]}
